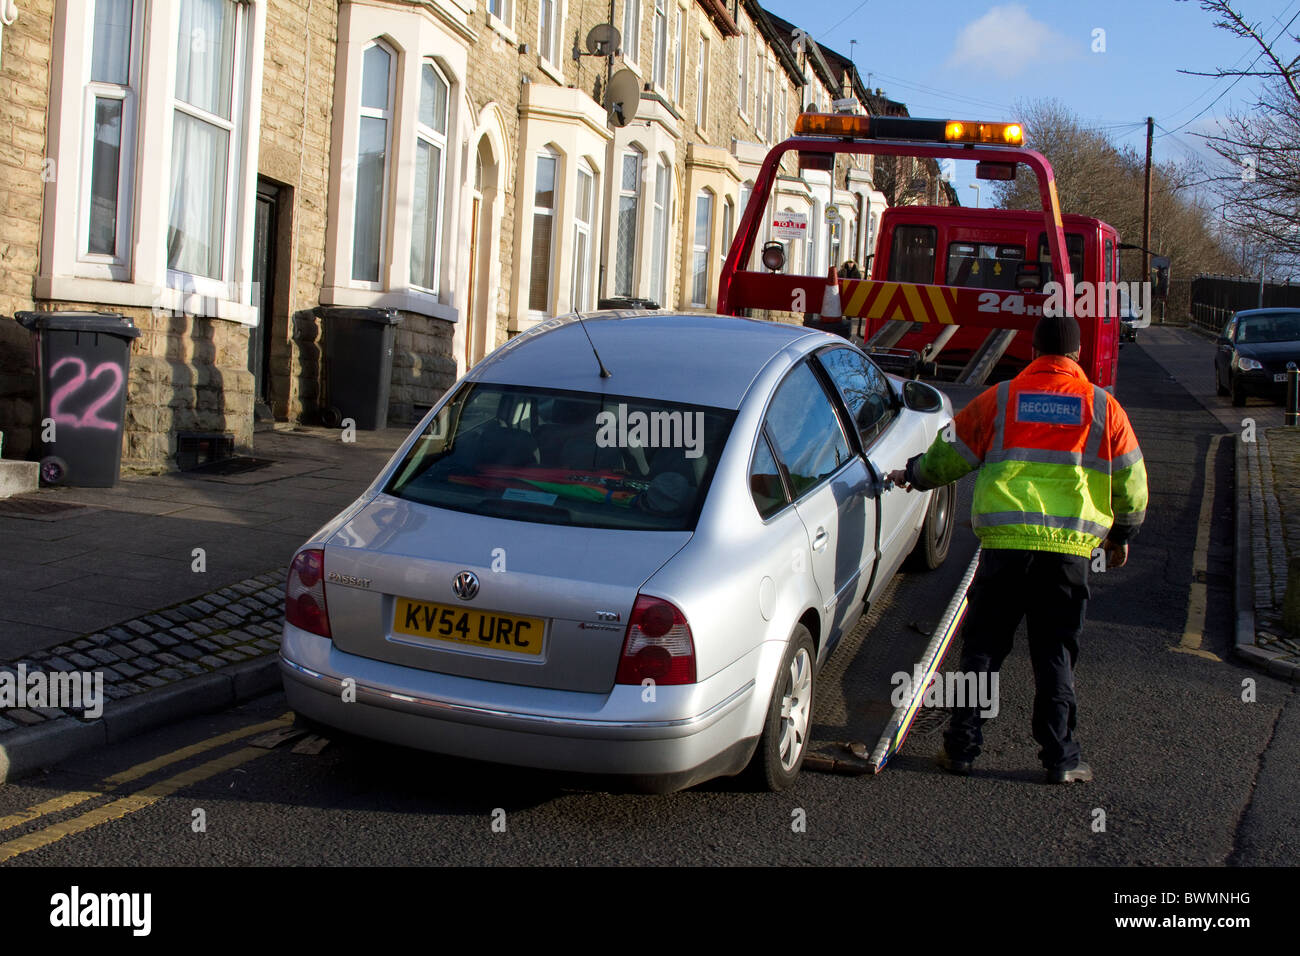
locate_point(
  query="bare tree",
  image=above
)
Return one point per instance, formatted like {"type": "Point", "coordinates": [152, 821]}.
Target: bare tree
{"type": "Point", "coordinates": [1096, 178]}
{"type": "Point", "coordinates": [1258, 180]}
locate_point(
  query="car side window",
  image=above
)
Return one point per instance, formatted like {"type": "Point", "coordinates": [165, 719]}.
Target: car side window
{"type": "Point", "coordinates": [1229, 331]}
{"type": "Point", "coordinates": [805, 431]}
{"type": "Point", "coordinates": [864, 388]}
{"type": "Point", "coordinates": [765, 484]}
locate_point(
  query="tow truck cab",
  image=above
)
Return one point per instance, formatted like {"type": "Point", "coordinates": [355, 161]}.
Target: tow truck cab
{"type": "Point", "coordinates": [911, 291]}
{"type": "Point", "coordinates": [987, 249]}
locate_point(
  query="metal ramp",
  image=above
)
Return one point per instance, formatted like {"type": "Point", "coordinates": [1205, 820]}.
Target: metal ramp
{"type": "Point", "coordinates": [986, 357]}
{"type": "Point", "coordinates": [911, 624]}
{"type": "Point", "coordinates": [889, 334]}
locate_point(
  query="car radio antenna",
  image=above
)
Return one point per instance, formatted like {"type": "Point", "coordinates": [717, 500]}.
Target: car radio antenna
{"type": "Point", "coordinates": [604, 372]}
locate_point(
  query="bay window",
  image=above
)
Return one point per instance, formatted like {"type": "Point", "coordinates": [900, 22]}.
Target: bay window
{"type": "Point", "coordinates": [700, 249]}
{"type": "Point", "coordinates": [544, 194]}
{"type": "Point", "coordinates": [430, 150]}
{"type": "Point", "coordinates": [377, 65]}
{"type": "Point", "coordinates": [629, 202]}
{"type": "Point", "coordinates": [110, 134]}
{"type": "Point", "coordinates": [206, 152]}
{"type": "Point", "coordinates": [659, 231]}
{"type": "Point", "coordinates": [583, 210]}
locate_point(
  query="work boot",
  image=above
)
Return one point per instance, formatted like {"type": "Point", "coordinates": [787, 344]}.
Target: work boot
{"type": "Point", "coordinates": [961, 768]}
{"type": "Point", "coordinates": [1080, 774]}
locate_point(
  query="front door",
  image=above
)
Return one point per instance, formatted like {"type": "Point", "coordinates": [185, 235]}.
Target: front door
{"type": "Point", "coordinates": [259, 342]}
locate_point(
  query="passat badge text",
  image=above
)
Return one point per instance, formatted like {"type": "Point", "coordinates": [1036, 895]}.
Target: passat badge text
{"type": "Point", "coordinates": [77, 909]}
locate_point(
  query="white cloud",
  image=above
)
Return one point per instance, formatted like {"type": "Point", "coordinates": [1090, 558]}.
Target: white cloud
{"type": "Point", "coordinates": [1007, 41]}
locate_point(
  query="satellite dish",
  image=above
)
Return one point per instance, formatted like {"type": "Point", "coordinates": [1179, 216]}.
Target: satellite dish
{"type": "Point", "coordinates": [603, 39]}
{"type": "Point", "coordinates": [622, 97]}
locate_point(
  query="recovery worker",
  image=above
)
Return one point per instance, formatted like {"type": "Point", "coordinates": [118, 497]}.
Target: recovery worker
{"type": "Point", "coordinates": [1061, 483]}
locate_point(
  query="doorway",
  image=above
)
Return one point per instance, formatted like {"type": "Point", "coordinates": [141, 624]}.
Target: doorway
{"type": "Point", "coordinates": [265, 235]}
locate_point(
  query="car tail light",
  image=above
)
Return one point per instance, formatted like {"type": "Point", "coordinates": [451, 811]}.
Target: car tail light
{"type": "Point", "coordinates": [658, 645]}
{"type": "Point", "coordinates": [304, 594]}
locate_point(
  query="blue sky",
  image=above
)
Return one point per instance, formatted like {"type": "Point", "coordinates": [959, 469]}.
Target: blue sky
{"type": "Point", "coordinates": [973, 59]}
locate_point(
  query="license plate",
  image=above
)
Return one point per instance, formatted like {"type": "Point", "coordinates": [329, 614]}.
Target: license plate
{"type": "Point", "coordinates": [470, 628]}
{"type": "Point", "coordinates": [1279, 376]}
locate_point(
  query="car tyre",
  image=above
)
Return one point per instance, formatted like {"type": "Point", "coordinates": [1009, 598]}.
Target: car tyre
{"type": "Point", "coordinates": [788, 728]}
{"type": "Point", "coordinates": [1238, 392]}
{"type": "Point", "coordinates": [936, 534]}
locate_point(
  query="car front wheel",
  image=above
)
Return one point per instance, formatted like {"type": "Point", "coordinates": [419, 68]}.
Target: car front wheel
{"type": "Point", "coordinates": [1238, 392]}
{"type": "Point", "coordinates": [936, 534]}
{"type": "Point", "coordinates": [784, 741]}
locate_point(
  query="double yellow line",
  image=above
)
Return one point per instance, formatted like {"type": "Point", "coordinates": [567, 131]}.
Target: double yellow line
{"type": "Point", "coordinates": [136, 801]}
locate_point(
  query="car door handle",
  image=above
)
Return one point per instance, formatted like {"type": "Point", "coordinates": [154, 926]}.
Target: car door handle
{"type": "Point", "coordinates": [820, 540]}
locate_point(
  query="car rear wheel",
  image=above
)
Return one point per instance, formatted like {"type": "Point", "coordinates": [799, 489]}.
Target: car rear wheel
{"type": "Point", "coordinates": [936, 534]}
{"type": "Point", "coordinates": [784, 741]}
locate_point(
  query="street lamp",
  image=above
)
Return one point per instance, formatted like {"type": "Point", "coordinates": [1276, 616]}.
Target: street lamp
{"type": "Point", "coordinates": [976, 187]}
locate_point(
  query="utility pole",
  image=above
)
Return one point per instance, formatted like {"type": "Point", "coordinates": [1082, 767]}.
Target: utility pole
{"type": "Point", "coordinates": [1146, 208]}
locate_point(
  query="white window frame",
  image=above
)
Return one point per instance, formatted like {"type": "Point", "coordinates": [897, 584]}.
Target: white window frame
{"type": "Point", "coordinates": [552, 211]}
{"type": "Point", "coordinates": [743, 70]}
{"type": "Point", "coordinates": [702, 82]}
{"type": "Point", "coordinates": [701, 251]}
{"type": "Point", "coordinates": [431, 136]}
{"type": "Point", "coordinates": [507, 15]}
{"type": "Point", "coordinates": [583, 267]}
{"type": "Point", "coordinates": [238, 128]}
{"type": "Point", "coordinates": [552, 56]}
{"type": "Point", "coordinates": [659, 49]}
{"type": "Point", "coordinates": [769, 84]}
{"type": "Point", "coordinates": [115, 265]}
{"type": "Point", "coordinates": [620, 194]}
{"type": "Point", "coordinates": [632, 32]}
{"type": "Point", "coordinates": [388, 115]}
{"type": "Point", "coordinates": [679, 56]}
{"type": "Point", "coordinates": [660, 230]}
{"type": "Point", "coordinates": [728, 228]}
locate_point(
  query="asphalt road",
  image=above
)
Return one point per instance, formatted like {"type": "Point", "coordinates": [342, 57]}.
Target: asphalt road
{"type": "Point", "coordinates": [1187, 772]}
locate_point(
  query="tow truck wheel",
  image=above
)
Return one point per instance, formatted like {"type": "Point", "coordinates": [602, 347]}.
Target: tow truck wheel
{"type": "Point", "coordinates": [784, 741]}
{"type": "Point", "coordinates": [936, 534]}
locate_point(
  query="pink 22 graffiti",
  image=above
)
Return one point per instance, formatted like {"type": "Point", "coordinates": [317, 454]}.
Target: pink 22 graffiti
{"type": "Point", "coordinates": [90, 417]}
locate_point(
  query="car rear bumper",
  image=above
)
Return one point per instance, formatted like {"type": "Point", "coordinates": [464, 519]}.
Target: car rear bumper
{"type": "Point", "coordinates": [685, 736]}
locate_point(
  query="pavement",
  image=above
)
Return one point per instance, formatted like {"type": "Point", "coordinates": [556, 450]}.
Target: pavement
{"type": "Point", "coordinates": [1267, 498]}
{"type": "Point", "coordinates": [169, 587]}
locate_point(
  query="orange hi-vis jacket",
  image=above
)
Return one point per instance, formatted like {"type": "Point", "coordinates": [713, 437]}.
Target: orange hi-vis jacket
{"type": "Point", "coordinates": [1060, 467]}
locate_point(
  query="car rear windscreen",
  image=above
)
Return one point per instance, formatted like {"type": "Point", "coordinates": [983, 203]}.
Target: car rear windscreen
{"type": "Point", "coordinates": [564, 457]}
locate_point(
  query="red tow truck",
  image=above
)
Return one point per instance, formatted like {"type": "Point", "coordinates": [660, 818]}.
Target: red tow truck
{"type": "Point", "coordinates": [970, 283]}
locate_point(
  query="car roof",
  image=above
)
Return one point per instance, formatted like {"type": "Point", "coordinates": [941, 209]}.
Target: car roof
{"type": "Point", "coordinates": [697, 359]}
{"type": "Point", "coordinates": [1271, 310]}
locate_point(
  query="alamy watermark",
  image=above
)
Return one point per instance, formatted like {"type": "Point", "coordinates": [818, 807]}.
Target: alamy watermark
{"type": "Point", "coordinates": [637, 429]}
{"type": "Point", "coordinates": [953, 689]}
{"type": "Point", "coordinates": [65, 690]}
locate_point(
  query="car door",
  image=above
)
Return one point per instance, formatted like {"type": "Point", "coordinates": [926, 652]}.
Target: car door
{"type": "Point", "coordinates": [888, 440]}
{"type": "Point", "coordinates": [829, 481]}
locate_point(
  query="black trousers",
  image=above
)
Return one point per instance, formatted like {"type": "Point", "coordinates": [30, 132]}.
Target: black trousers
{"type": "Point", "coordinates": [1050, 591]}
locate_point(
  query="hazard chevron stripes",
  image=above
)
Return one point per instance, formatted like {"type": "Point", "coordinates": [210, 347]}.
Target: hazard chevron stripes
{"type": "Point", "coordinates": [864, 298]}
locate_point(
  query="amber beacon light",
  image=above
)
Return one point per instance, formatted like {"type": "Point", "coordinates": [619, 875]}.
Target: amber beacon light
{"type": "Point", "coordinates": [914, 128]}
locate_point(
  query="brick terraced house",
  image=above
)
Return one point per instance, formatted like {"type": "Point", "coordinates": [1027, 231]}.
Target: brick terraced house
{"type": "Point", "coordinates": [217, 171]}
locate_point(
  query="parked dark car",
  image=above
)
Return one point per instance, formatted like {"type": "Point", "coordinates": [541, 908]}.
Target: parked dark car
{"type": "Point", "coordinates": [1253, 353]}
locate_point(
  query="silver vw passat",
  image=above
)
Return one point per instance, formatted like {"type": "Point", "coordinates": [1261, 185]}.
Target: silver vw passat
{"type": "Point", "coordinates": [621, 546]}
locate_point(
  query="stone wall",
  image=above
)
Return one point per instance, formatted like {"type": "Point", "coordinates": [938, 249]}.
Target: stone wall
{"type": "Point", "coordinates": [24, 93]}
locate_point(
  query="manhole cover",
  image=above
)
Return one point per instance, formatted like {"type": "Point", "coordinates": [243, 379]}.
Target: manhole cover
{"type": "Point", "coordinates": [230, 466]}
{"type": "Point", "coordinates": [33, 506]}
